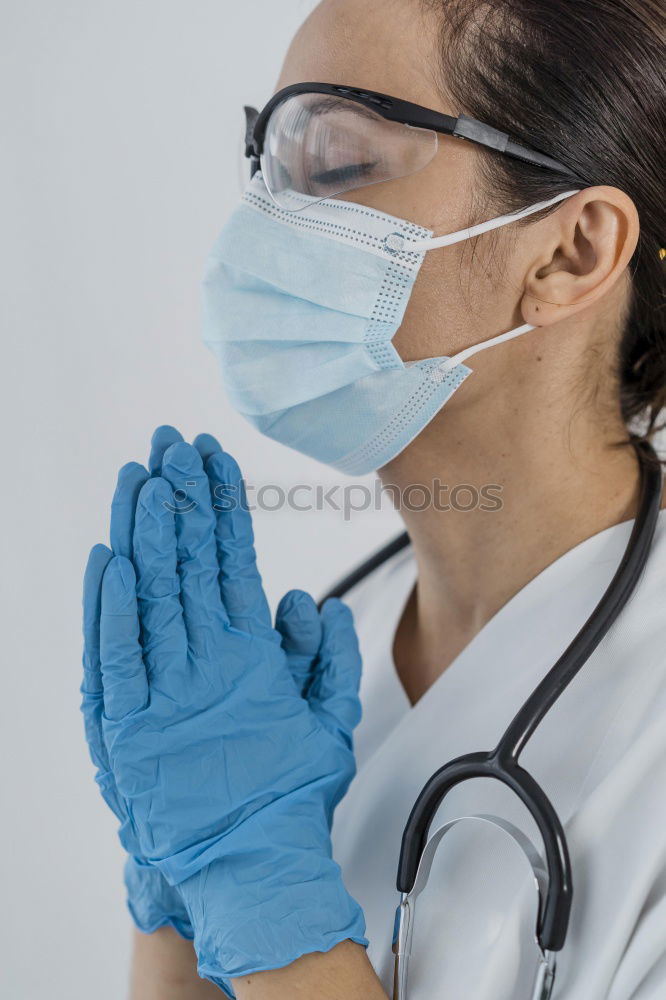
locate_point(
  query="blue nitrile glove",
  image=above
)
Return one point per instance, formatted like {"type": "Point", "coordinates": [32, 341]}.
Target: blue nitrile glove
{"type": "Point", "coordinates": [151, 900]}
{"type": "Point", "coordinates": [229, 777]}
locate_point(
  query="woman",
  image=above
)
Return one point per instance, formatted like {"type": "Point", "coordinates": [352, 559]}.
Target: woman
{"type": "Point", "coordinates": [226, 787]}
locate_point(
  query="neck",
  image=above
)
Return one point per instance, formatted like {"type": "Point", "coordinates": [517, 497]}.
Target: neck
{"type": "Point", "coordinates": [545, 482]}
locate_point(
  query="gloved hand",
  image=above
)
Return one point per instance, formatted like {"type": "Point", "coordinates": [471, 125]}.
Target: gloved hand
{"type": "Point", "coordinates": [151, 900]}
{"type": "Point", "coordinates": [227, 775]}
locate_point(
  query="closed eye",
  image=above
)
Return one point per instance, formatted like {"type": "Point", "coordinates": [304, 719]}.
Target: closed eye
{"type": "Point", "coordinates": [341, 175]}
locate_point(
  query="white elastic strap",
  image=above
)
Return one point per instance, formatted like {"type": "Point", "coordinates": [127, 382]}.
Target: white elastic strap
{"type": "Point", "coordinates": [485, 227]}
{"type": "Point", "coordinates": [461, 356]}
{"type": "Point", "coordinates": [482, 227]}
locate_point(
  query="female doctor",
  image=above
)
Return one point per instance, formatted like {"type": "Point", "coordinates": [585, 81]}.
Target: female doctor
{"type": "Point", "coordinates": [223, 740]}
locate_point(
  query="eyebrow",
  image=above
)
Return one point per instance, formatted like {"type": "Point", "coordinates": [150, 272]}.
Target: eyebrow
{"type": "Point", "coordinates": [331, 103]}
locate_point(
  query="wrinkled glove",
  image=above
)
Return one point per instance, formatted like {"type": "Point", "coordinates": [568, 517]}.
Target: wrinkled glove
{"type": "Point", "coordinates": [228, 776]}
{"type": "Point", "coordinates": [152, 902]}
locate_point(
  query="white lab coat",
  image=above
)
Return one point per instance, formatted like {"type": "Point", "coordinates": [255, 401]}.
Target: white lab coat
{"type": "Point", "coordinates": [600, 755]}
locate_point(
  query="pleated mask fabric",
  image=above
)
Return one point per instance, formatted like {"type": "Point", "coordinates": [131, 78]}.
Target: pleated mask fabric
{"type": "Point", "coordinates": [301, 309]}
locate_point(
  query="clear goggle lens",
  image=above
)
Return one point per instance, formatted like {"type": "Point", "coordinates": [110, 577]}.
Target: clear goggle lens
{"type": "Point", "coordinates": [317, 146]}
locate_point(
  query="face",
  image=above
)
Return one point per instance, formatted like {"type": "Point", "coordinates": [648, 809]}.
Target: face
{"type": "Point", "coordinates": [392, 46]}
{"type": "Point", "coordinates": [566, 273]}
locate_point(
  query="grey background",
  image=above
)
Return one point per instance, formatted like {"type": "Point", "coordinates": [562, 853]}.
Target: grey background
{"type": "Point", "coordinates": [121, 124]}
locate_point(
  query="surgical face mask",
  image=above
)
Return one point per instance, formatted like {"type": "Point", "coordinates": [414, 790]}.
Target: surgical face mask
{"type": "Point", "coordinates": [301, 309]}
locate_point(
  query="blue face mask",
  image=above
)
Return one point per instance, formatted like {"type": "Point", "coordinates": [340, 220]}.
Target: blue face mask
{"type": "Point", "coordinates": [301, 309]}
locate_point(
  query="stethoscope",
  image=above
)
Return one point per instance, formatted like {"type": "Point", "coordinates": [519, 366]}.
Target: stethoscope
{"type": "Point", "coordinates": [553, 875]}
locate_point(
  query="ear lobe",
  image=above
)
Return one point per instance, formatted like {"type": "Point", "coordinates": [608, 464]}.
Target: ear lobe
{"type": "Point", "coordinates": [592, 238]}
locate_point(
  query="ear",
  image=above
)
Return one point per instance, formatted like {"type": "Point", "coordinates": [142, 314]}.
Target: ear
{"type": "Point", "coordinates": [589, 242]}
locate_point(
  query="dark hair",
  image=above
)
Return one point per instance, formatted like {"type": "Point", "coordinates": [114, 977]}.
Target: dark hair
{"type": "Point", "coordinates": [584, 81]}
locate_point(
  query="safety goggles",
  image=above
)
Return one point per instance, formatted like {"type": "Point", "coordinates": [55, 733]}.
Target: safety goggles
{"type": "Point", "coordinates": [317, 140]}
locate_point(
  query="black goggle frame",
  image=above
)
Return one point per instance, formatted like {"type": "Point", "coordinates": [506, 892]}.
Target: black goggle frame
{"type": "Point", "coordinates": [396, 110]}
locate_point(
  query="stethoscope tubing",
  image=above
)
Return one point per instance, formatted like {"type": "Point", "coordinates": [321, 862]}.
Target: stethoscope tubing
{"type": "Point", "coordinates": [502, 763]}
{"type": "Point", "coordinates": [605, 614]}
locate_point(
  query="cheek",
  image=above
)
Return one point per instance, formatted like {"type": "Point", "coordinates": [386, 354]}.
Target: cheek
{"type": "Point", "coordinates": [442, 312]}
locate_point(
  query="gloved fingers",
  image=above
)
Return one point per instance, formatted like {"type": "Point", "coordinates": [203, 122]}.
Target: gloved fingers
{"type": "Point", "coordinates": [196, 549]}
{"type": "Point", "coordinates": [163, 634]}
{"type": "Point", "coordinates": [299, 624]}
{"type": "Point", "coordinates": [92, 688]}
{"type": "Point", "coordinates": [333, 695]}
{"type": "Point", "coordinates": [92, 704]}
{"type": "Point", "coordinates": [207, 445]}
{"type": "Point", "coordinates": [123, 506]}
{"type": "Point", "coordinates": [245, 601]}
{"type": "Point", "coordinates": [123, 671]}
{"type": "Point", "coordinates": [99, 558]}
{"type": "Point", "coordinates": [239, 579]}
{"type": "Point", "coordinates": [163, 437]}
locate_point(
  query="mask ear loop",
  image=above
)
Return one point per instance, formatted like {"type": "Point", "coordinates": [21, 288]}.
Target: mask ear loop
{"type": "Point", "coordinates": [467, 234]}
{"type": "Point", "coordinates": [462, 356]}
{"type": "Point", "coordinates": [478, 230]}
